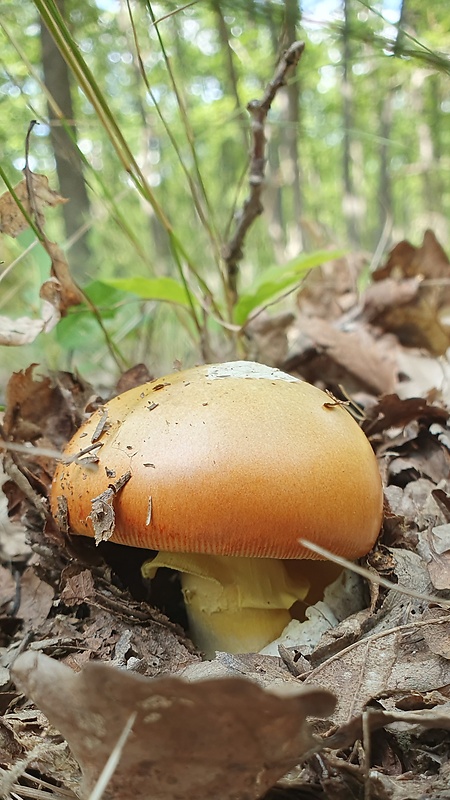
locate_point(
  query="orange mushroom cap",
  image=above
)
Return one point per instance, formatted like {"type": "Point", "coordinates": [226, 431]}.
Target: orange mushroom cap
{"type": "Point", "coordinates": [234, 459]}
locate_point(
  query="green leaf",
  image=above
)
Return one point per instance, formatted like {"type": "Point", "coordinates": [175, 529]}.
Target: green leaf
{"type": "Point", "coordinates": [276, 279]}
{"type": "Point", "coordinates": [78, 331]}
{"type": "Point", "coordinates": [165, 289]}
{"type": "Point", "coordinates": [105, 298]}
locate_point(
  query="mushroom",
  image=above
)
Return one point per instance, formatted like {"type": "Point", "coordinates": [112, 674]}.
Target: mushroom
{"type": "Point", "coordinates": [222, 468]}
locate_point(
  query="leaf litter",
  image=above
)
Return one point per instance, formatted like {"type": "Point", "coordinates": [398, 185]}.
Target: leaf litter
{"type": "Point", "coordinates": [357, 707]}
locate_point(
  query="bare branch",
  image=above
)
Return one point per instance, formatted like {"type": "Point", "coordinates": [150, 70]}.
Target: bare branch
{"type": "Point", "coordinates": [252, 207]}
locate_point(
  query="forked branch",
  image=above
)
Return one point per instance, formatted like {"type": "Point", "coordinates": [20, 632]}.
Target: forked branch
{"type": "Point", "coordinates": [252, 206]}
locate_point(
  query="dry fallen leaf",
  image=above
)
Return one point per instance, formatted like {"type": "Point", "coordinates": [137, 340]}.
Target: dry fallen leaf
{"type": "Point", "coordinates": [331, 289]}
{"type": "Point", "coordinates": [78, 588]}
{"type": "Point", "coordinates": [428, 261]}
{"type": "Point", "coordinates": [44, 412]}
{"type": "Point", "coordinates": [353, 357]}
{"type": "Point", "coordinates": [133, 377]}
{"type": "Point", "coordinates": [267, 337]}
{"type": "Point", "coordinates": [36, 599]}
{"type": "Point", "coordinates": [410, 296]}
{"type": "Point", "coordinates": [391, 659]}
{"type": "Point", "coordinates": [12, 221]}
{"type": "Point", "coordinates": [224, 738]}
{"type": "Point", "coordinates": [391, 411]}
{"type": "Point", "coordinates": [56, 298]}
{"type": "Point", "coordinates": [102, 514]}
{"type": "Point", "coordinates": [375, 718]}
{"type": "Point", "coordinates": [435, 549]}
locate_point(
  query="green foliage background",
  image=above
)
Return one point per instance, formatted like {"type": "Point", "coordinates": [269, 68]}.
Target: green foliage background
{"type": "Point", "coordinates": [217, 57]}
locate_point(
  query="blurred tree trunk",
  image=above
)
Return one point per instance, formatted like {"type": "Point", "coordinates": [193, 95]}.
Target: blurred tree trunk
{"type": "Point", "coordinates": [386, 115]}
{"type": "Point", "coordinates": [435, 99]}
{"type": "Point", "coordinates": [232, 84]}
{"type": "Point", "coordinates": [69, 165]}
{"type": "Point", "coordinates": [284, 193]}
{"type": "Point", "coordinates": [427, 165]}
{"type": "Point", "coordinates": [273, 192]}
{"type": "Point", "coordinates": [350, 199]}
{"type": "Point", "coordinates": [292, 129]}
{"type": "Point", "coordinates": [385, 179]}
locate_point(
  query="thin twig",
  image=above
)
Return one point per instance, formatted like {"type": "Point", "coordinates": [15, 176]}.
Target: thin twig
{"type": "Point", "coordinates": [29, 183]}
{"type": "Point", "coordinates": [252, 207]}
{"type": "Point", "coordinates": [113, 760]}
{"type": "Point", "coordinates": [372, 576]}
{"type": "Point", "coordinates": [47, 452]}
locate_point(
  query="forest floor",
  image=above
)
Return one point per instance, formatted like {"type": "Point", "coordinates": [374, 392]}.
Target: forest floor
{"type": "Point", "coordinates": [100, 690]}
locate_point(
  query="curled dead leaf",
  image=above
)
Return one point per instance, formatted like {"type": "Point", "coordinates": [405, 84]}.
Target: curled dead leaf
{"type": "Point", "coordinates": [56, 296]}
{"type": "Point", "coordinates": [390, 659]}
{"type": "Point", "coordinates": [410, 296]}
{"type": "Point", "coordinates": [12, 221]}
{"type": "Point", "coordinates": [353, 357]}
{"type": "Point", "coordinates": [222, 738]}
{"type": "Point", "coordinates": [390, 411]}
{"type": "Point", "coordinates": [14, 332]}
{"type": "Point", "coordinates": [407, 261]}
{"type": "Point", "coordinates": [69, 293]}
{"type": "Point", "coordinates": [20, 331]}
{"type": "Point", "coordinates": [102, 514]}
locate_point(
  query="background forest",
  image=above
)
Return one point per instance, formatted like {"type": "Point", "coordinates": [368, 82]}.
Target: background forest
{"type": "Point", "coordinates": [229, 193]}
{"type": "Point", "coordinates": [143, 126]}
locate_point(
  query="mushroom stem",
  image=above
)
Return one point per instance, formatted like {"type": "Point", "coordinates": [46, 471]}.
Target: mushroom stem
{"type": "Point", "coordinates": [234, 604]}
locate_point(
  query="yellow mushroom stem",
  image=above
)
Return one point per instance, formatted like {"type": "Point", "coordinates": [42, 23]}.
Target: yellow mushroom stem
{"type": "Point", "coordinates": [234, 604]}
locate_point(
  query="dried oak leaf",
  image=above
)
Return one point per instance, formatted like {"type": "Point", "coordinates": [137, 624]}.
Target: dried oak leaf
{"type": "Point", "coordinates": [437, 638]}
{"type": "Point", "coordinates": [422, 457]}
{"type": "Point", "coordinates": [10, 747]}
{"type": "Point", "coordinates": [332, 356]}
{"type": "Point", "coordinates": [36, 600]}
{"type": "Point", "coordinates": [57, 293]}
{"type": "Point", "coordinates": [43, 411]}
{"type": "Point", "coordinates": [403, 302]}
{"type": "Point", "coordinates": [12, 221]}
{"type": "Point", "coordinates": [332, 289]}
{"type": "Point", "coordinates": [135, 376]}
{"type": "Point", "coordinates": [429, 260]}
{"type": "Point", "coordinates": [222, 738]}
{"type": "Point", "coordinates": [417, 323]}
{"type": "Point", "coordinates": [392, 412]}
{"type": "Point", "coordinates": [37, 756]}
{"type": "Point", "coordinates": [40, 405]}
{"type": "Point", "coordinates": [78, 588]}
{"type": "Point", "coordinates": [267, 337]}
{"type": "Point", "coordinates": [375, 719]}
{"type": "Point", "coordinates": [435, 549]}
{"type": "Point", "coordinates": [389, 660]}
